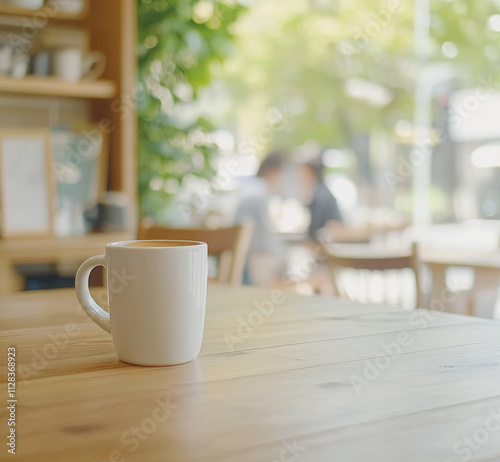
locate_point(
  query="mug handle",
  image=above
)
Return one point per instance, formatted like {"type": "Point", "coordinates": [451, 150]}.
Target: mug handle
{"type": "Point", "coordinates": [94, 65]}
{"type": "Point", "coordinates": [93, 310]}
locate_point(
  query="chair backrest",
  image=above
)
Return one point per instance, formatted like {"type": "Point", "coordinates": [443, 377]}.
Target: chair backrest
{"type": "Point", "coordinates": [229, 244]}
{"type": "Point", "coordinates": [362, 257]}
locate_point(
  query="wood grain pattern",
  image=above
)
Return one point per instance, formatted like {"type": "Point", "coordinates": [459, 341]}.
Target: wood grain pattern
{"type": "Point", "coordinates": [285, 384]}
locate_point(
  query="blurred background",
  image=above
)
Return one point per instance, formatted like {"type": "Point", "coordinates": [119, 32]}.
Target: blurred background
{"type": "Point", "coordinates": [332, 128]}
{"type": "Point", "coordinates": [365, 83]}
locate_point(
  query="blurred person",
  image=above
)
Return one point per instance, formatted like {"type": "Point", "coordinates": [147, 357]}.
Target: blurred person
{"type": "Point", "coordinates": [323, 209]}
{"type": "Point", "coordinates": [317, 197]}
{"type": "Point", "coordinates": [266, 257]}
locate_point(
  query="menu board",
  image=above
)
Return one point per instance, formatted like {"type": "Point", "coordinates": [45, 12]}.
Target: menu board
{"type": "Point", "coordinates": [25, 185]}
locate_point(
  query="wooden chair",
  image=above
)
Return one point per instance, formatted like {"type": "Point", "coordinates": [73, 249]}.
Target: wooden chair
{"type": "Point", "coordinates": [229, 244]}
{"type": "Point", "coordinates": [369, 260]}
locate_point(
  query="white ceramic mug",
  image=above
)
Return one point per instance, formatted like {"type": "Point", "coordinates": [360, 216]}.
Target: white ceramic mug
{"type": "Point", "coordinates": [157, 295]}
{"type": "Point", "coordinates": [19, 65]}
{"type": "Point", "coordinates": [71, 65]}
{"type": "Point", "coordinates": [6, 51]}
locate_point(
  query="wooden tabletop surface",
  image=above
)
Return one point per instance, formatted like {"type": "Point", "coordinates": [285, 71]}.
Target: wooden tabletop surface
{"type": "Point", "coordinates": [301, 379]}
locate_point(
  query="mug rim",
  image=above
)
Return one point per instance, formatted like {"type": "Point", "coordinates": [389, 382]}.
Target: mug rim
{"type": "Point", "coordinates": [127, 244]}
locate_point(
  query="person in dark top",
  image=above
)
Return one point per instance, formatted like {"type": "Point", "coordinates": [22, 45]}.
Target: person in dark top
{"type": "Point", "coordinates": [321, 202]}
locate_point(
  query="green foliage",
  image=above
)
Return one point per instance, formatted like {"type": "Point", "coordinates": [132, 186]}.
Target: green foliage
{"type": "Point", "coordinates": [464, 23]}
{"type": "Point", "coordinates": [178, 42]}
{"type": "Point", "coordinates": [305, 51]}
{"type": "Point", "coordinates": [297, 56]}
{"type": "Point", "coordinates": [304, 54]}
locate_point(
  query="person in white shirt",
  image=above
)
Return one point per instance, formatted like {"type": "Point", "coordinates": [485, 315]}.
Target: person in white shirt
{"type": "Point", "coordinates": [266, 257]}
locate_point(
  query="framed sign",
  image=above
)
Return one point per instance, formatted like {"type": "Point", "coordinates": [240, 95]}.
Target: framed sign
{"type": "Point", "coordinates": [26, 184]}
{"type": "Point", "coordinates": [80, 169]}
{"type": "Point", "coordinates": [80, 164]}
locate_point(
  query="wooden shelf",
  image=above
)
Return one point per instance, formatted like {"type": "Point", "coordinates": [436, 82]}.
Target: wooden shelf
{"type": "Point", "coordinates": [54, 249]}
{"type": "Point", "coordinates": [107, 26]}
{"type": "Point", "coordinates": [52, 86]}
{"type": "Point", "coordinates": [12, 10]}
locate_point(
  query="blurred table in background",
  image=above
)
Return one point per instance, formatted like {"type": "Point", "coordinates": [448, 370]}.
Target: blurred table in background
{"type": "Point", "coordinates": [473, 234]}
{"type": "Point", "coordinates": [485, 264]}
{"type": "Point", "coordinates": [363, 233]}
{"type": "Point", "coordinates": [49, 250]}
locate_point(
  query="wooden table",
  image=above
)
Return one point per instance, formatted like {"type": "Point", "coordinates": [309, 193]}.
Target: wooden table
{"type": "Point", "coordinates": [363, 233]}
{"type": "Point", "coordinates": [280, 390]}
{"type": "Point", "coordinates": [49, 250]}
{"type": "Point", "coordinates": [486, 266]}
